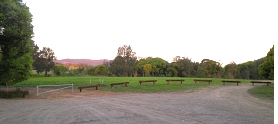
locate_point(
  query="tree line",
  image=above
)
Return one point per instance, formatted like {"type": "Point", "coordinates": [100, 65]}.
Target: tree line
{"type": "Point", "coordinates": [126, 64]}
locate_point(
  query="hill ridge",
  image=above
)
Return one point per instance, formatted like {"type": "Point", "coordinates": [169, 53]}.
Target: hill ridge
{"type": "Point", "coordinates": [89, 62]}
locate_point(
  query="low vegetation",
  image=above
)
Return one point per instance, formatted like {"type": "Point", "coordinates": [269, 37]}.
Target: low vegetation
{"type": "Point", "coordinates": [263, 92]}
{"type": "Point", "coordinates": [17, 93]}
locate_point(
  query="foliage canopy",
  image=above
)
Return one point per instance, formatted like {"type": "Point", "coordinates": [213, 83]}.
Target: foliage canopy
{"type": "Point", "coordinates": [15, 43]}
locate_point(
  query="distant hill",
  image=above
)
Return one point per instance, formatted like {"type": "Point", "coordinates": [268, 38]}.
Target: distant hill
{"type": "Point", "coordinates": [82, 61]}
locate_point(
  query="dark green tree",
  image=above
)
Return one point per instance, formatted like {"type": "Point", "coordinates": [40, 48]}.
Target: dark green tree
{"type": "Point", "coordinates": [60, 70]}
{"type": "Point", "coordinates": [254, 71]}
{"type": "Point", "coordinates": [128, 66]}
{"type": "Point", "coordinates": [90, 70]}
{"type": "Point", "coordinates": [15, 42]}
{"type": "Point", "coordinates": [230, 70]}
{"type": "Point", "coordinates": [171, 70]}
{"type": "Point", "coordinates": [159, 66]}
{"type": "Point", "coordinates": [38, 65]}
{"type": "Point", "coordinates": [211, 68]}
{"type": "Point", "coordinates": [45, 60]}
{"type": "Point", "coordinates": [267, 67]}
{"type": "Point", "coordinates": [200, 73]}
{"type": "Point", "coordinates": [140, 66]}
{"type": "Point", "coordinates": [186, 67]}
{"type": "Point", "coordinates": [117, 66]}
{"type": "Point", "coordinates": [100, 70]}
{"type": "Point", "coordinates": [244, 70]}
{"type": "Point", "coordinates": [37, 60]}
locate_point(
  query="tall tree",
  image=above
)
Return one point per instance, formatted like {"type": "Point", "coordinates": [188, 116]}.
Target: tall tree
{"type": "Point", "coordinates": [186, 67]}
{"type": "Point", "coordinates": [46, 58]}
{"type": "Point", "coordinates": [267, 68]}
{"type": "Point", "coordinates": [230, 70]}
{"type": "Point", "coordinates": [117, 66]}
{"type": "Point", "coordinates": [130, 59]}
{"type": "Point", "coordinates": [211, 68]}
{"type": "Point", "coordinates": [15, 42]}
{"type": "Point", "coordinates": [37, 61]}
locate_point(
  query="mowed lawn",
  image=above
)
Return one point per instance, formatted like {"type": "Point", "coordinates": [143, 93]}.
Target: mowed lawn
{"type": "Point", "coordinates": [134, 86]}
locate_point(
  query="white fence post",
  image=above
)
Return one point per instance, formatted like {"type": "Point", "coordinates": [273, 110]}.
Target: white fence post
{"type": "Point", "coordinates": [37, 90]}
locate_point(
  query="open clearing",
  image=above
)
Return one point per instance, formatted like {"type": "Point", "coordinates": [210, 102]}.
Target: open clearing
{"type": "Point", "coordinates": [217, 105]}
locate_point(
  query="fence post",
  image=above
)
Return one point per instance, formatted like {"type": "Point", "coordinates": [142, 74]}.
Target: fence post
{"type": "Point", "coordinates": [37, 90]}
{"type": "Point", "coordinates": [72, 88]}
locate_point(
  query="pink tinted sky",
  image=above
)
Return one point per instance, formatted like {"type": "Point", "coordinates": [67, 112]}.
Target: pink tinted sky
{"type": "Point", "coordinates": [225, 31]}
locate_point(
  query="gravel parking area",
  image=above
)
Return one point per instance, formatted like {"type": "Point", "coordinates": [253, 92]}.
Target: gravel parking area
{"type": "Point", "coordinates": [229, 104]}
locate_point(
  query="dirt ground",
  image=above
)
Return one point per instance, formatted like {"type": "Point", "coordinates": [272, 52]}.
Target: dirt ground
{"type": "Point", "coordinates": [218, 105]}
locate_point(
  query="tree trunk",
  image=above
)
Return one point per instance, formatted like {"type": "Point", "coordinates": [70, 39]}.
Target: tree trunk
{"type": "Point", "coordinates": [45, 73]}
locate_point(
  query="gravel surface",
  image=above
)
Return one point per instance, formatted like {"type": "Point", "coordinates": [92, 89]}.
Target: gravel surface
{"type": "Point", "coordinates": [229, 104]}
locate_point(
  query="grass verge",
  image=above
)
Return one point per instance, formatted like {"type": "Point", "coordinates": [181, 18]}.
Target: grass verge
{"type": "Point", "coordinates": [263, 92]}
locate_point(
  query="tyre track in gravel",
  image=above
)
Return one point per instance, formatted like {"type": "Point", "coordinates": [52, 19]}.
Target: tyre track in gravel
{"type": "Point", "coordinates": [223, 104]}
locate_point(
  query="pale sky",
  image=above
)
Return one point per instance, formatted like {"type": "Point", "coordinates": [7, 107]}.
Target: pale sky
{"type": "Point", "coordinates": [220, 30]}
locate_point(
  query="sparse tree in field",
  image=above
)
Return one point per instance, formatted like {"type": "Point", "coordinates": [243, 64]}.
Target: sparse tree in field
{"type": "Point", "coordinates": [126, 62]}
{"type": "Point", "coordinates": [44, 60]}
{"type": "Point", "coordinates": [267, 67]}
{"type": "Point", "coordinates": [15, 42]}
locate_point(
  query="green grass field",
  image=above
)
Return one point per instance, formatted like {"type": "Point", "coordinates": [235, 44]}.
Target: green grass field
{"type": "Point", "coordinates": [263, 92]}
{"type": "Point", "coordinates": [160, 86]}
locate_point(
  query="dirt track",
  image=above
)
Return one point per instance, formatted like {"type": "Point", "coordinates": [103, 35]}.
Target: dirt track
{"type": "Point", "coordinates": [219, 105]}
